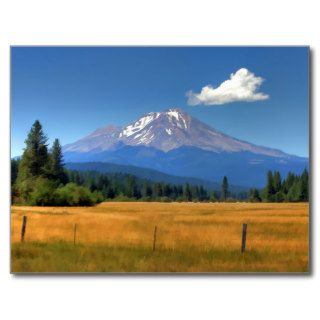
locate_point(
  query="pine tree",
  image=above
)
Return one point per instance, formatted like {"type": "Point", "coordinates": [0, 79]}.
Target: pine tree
{"type": "Point", "coordinates": [131, 188]}
{"type": "Point", "coordinates": [14, 170]}
{"type": "Point", "coordinates": [294, 192]}
{"type": "Point", "coordinates": [56, 168]}
{"type": "Point", "coordinates": [34, 161]}
{"type": "Point", "coordinates": [158, 191]}
{"type": "Point", "coordinates": [304, 186]}
{"type": "Point", "coordinates": [254, 195]}
{"type": "Point", "coordinates": [288, 182]}
{"type": "Point", "coordinates": [276, 181]}
{"type": "Point", "coordinates": [213, 196]}
{"type": "Point", "coordinates": [270, 187]}
{"type": "Point", "coordinates": [225, 188]}
{"type": "Point", "coordinates": [35, 155]}
{"type": "Point", "coordinates": [146, 190]}
{"type": "Point", "coordinates": [187, 194]}
{"type": "Point", "coordinates": [202, 194]}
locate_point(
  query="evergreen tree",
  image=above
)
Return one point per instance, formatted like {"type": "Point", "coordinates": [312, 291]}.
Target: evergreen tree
{"type": "Point", "coordinates": [294, 192]}
{"type": "Point", "coordinates": [225, 188]}
{"type": "Point", "coordinates": [276, 181]}
{"type": "Point", "coordinates": [14, 175]}
{"type": "Point", "coordinates": [14, 170]}
{"type": "Point", "coordinates": [102, 182]}
{"type": "Point", "coordinates": [35, 155]}
{"type": "Point", "coordinates": [304, 186]}
{"type": "Point", "coordinates": [34, 161]}
{"type": "Point", "coordinates": [288, 182]}
{"type": "Point", "coordinates": [56, 169]}
{"type": "Point", "coordinates": [146, 190]}
{"type": "Point", "coordinates": [254, 195]}
{"type": "Point", "coordinates": [158, 190]}
{"type": "Point", "coordinates": [131, 188]}
{"type": "Point", "coordinates": [167, 190]}
{"type": "Point", "coordinates": [187, 194]}
{"type": "Point", "coordinates": [110, 193]}
{"type": "Point", "coordinates": [270, 187]}
{"type": "Point", "coordinates": [214, 196]}
{"type": "Point", "coordinates": [202, 194]}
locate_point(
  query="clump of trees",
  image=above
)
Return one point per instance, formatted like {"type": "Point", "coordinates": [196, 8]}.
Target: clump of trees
{"type": "Point", "coordinates": [294, 188]}
{"type": "Point", "coordinates": [39, 178]}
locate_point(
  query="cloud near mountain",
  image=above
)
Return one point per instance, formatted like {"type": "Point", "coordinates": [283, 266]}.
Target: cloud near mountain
{"type": "Point", "coordinates": [242, 86]}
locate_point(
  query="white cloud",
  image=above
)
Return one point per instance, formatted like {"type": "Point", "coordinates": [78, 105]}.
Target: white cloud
{"type": "Point", "coordinates": [242, 86]}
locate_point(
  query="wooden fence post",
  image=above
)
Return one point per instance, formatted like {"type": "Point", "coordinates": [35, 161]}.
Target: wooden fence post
{"type": "Point", "coordinates": [74, 233]}
{"type": "Point", "coordinates": [244, 238]}
{"type": "Point", "coordinates": [154, 238]}
{"type": "Point", "coordinates": [23, 228]}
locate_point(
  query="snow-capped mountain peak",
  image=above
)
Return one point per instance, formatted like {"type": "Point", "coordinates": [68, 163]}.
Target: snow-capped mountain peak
{"type": "Point", "coordinates": [166, 131]}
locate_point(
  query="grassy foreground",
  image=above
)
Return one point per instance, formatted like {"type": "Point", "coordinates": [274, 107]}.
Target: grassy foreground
{"type": "Point", "coordinates": [191, 237]}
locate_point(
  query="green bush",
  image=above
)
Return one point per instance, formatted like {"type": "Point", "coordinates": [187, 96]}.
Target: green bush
{"type": "Point", "coordinates": [47, 193]}
{"type": "Point", "coordinates": [43, 193]}
{"type": "Point", "coordinates": [279, 196]}
{"type": "Point", "coordinates": [123, 198]}
{"type": "Point", "coordinates": [73, 195]}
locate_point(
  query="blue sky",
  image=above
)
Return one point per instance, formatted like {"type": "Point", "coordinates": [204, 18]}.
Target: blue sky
{"type": "Point", "coordinates": [73, 90]}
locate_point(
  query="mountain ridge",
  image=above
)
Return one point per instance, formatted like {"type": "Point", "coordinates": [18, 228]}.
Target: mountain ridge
{"type": "Point", "coordinates": [166, 130]}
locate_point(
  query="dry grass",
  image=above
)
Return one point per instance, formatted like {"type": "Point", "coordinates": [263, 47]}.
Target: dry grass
{"type": "Point", "coordinates": [195, 237]}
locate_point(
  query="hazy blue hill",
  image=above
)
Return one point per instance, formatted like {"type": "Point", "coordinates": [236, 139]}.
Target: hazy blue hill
{"type": "Point", "coordinates": [146, 173]}
{"type": "Point", "coordinates": [242, 168]}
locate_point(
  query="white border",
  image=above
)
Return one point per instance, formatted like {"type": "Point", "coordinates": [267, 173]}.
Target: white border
{"type": "Point", "coordinates": [154, 23]}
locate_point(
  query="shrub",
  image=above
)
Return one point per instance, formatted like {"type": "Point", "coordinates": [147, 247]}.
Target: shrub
{"type": "Point", "coordinates": [73, 195]}
{"type": "Point", "coordinates": [123, 198]}
{"type": "Point", "coordinates": [279, 196]}
{"type": "Point", "coordinates": [43, 193]}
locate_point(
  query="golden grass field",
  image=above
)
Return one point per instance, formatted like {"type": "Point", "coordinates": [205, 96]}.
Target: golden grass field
{"type": "Point", "coordinates": [191, 237]}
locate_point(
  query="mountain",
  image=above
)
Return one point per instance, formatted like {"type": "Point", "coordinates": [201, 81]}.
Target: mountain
{"type": "Point", "coordinates": [166, 131]}
{"type": "Point", "coordinates": [175, 143]}
{"type": "Point", "coordinates": [145, 173]}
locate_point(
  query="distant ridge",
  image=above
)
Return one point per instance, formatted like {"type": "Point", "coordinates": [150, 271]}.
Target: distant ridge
{"type": "Point", "coordinates": [145, 173]}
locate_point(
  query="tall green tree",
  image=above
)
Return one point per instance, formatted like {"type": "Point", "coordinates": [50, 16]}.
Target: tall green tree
{"type": "Point", "coordinates": [158, 190]}
{"type": "Point", "coordinates": [288, 182]}
{"type": "Point", "coordinates": [277, 181]}
{"type": "Point", "coordinates": [187, 193]}
{"type": "Point", "coordinates": [270, 191]}
{"type": "Point", "coordinates": [14, 170]}
{"type": "Point", "coordinates": [57, 171]}
{"type": "Point", "coordinates": [34, 161]}
{"type": "Point", "coordinates": [131, 187]}
{"type": "Point", "coordinates": [35, 155]}
{"type": "Point", "coordinates": [304, 186]}
{"type": "Point", "coordinates": [146, 190]}
{"type": "Point", "coordinates": [225, 188]}
{"type": "Point", "coordinates": [254, 195]}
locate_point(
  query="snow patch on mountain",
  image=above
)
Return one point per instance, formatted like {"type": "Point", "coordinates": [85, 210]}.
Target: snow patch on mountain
{"type": "Point", "coordinates": [139, 125]}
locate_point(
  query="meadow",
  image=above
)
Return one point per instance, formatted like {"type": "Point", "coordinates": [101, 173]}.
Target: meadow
{"type": "Point", "coordinates": [191, 237]}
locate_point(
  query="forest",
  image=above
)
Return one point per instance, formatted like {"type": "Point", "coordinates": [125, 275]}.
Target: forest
{"type": "Point", "coordinates": [39, 177]}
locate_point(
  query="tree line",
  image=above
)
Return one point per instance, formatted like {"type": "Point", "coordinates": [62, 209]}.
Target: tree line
{"type": "Point", "coordinates": [120, 186]}
{"type": "Point", "coordinates": [39, 178]}
{"type": "Point", "coordinates": [294, 188]}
